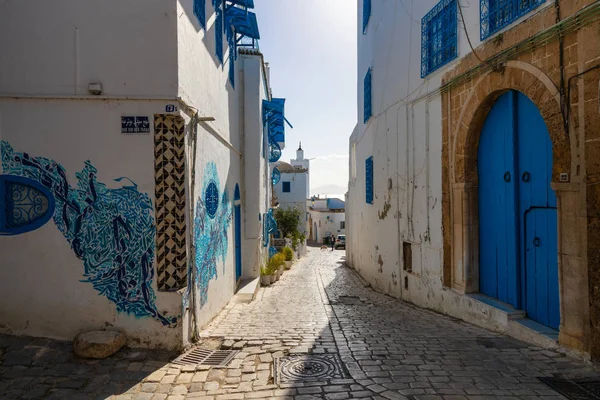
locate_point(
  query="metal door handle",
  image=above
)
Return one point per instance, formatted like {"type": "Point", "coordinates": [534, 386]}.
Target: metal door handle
{"type": "Point", "coordinates": [526, 177]}
{"type": "Point", "coordinates": [537, 242]}
{"type": "Point", "coordinates": [507, 177]}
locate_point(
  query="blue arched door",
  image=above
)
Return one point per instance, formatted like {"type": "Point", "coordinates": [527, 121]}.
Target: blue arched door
{"type": "Point", "coordinates": [518, 253]}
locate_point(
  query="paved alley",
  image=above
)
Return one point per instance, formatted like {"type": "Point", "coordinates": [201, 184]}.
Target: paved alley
{"type": "Point", "coordinates": [387, 350]}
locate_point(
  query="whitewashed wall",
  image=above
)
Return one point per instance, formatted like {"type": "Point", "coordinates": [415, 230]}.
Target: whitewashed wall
{"type": "Point", "coordinates": [325, 226]}
{"type": "Point", "coordinates": [404, 138]}
{"type": "Point", "coordinates": [296, 197]}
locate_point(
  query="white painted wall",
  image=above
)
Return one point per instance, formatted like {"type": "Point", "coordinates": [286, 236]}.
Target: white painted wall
{"type": "Point", "coordinates": [298, 189]}
{"type": "Point", "coordinates": [404, 138]}
{"type": "Point", "coordinates": [325, 226]}
{"type": "Point", "coordinates": [59, 47]}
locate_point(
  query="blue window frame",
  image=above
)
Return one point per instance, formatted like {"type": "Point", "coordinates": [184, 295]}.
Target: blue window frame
{"type": "Point", "coordinates": [25, 205]}
{"type": "Point", "coordinates": [497, 14]}
{"type": "Point", "coordinates": [211, 199]}
{"type": "Point", "coordinates": [232, 57]}
{"type": "Point", "coordinates": [366, 14]}
{"type": "Point", "coordinates": [439, 37]}
{"type": "Point", "coordinates": [200, 12]}
{"type": "Point", "coordinates": [369, 179]}
{"type": "Point", "coordinates": [287, 187]}
{"type": "Point", "coordinates": [367, 96]}
{"type": "Point", "coordinates": [218, 4]}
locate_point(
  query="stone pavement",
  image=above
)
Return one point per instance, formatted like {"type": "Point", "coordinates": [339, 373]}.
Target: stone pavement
{"type": "Point", "coordinates": [390, 349]}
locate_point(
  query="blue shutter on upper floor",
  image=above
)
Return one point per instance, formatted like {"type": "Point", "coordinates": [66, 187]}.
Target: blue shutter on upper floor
{"type": "Point", "coordinates": [366, 14]}
{"type": "Point", "coordinates": [219, 29]}
{"type": "Point", "coordinates": [367, 96]}
{"type": "Point", "coordinates": [439, 36]}
{"type": "Point", "coordinates": [497, 14]}
{"type": "Point", "coordinates": [200, 12]}
{"type": "Point", "coordinates": [369, 180]}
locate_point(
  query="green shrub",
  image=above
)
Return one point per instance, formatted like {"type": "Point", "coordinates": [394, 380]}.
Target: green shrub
{"type": "Point", "coordinates": [275, 262]}
{"type": "Point", "coordinates": [288, 253]}
{"type": "Point", "coordinates": [264, 271]}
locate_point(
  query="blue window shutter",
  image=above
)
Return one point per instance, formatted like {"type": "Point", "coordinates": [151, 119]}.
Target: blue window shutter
{"type": "Point", "coordinates": [200, 12]}
{"type": "Point", "coordinates": [366, 14]}
{"type": "Point", "coordinates": [497, 14]}
{"type": "Point", "coordinates": [219, 29]}
{"type": "Point", "coordinates": [367, 96]}
{"type": "Point", "coordinates": [439, 36]}
{"type": "Point", "coordinates": [369, 179]}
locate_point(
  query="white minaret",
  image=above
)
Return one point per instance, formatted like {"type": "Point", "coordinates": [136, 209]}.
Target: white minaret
{"type": "Point", "coordinates": [301, 163]}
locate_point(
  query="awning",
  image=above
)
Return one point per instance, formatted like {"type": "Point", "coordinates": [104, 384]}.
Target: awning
{"type": "Point", "coordinates": [274, 118]}
{"type": "Point", "coordinates": [243, 22]}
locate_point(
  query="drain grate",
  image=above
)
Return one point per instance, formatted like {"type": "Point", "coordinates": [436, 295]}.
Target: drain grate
{"type": "Point", "coordinates": [200, 356]}
{"type": "Point", "coordinates": [585, 389]}
{"type": "Point", "coordinates": [308, 368]}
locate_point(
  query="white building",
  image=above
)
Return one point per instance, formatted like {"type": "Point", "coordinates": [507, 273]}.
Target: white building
{"type": "Point", "coordinates": [292, 190]}
{"type": "Point", "coordinates": [133, 139]}
{"type": "Point", "coordinates": [326, 217]}
{"type": "Point", "coordinates": [422, 183]}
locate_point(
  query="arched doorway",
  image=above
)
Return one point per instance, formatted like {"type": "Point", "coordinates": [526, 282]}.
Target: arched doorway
{"type": "Point", "coordinates": [518, 253]}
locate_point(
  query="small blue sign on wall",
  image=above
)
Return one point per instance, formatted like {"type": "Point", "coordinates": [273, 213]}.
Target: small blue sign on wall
{"type": "Point", "coordinates": [133, 125]}
{"type": "Point", "coordinates": [171, 108]}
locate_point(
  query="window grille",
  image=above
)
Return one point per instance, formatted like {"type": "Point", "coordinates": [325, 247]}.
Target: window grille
{"type": "Point", "coordinates": [366, 14]}
{"type": "Point", "coordinates": [232, 57]}
{"type": "Point", "coordinates": [200, 12]}
{"type": "Point", "coordinates": [439, 37]}
{"type": "Point", "coordinates": [342, 224]}
{"type": "Point", "coordinates": [369, 179]}
{"type": "Point", "coordinates": [218, 4]}
{"type": "Point", "coordinates": [497, 14]}
{"type": "Point", "coordinates": [367, 96]}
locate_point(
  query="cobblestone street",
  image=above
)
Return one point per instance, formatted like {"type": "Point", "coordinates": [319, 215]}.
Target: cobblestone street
{"type": "Point", "coordinates": [389, 349]}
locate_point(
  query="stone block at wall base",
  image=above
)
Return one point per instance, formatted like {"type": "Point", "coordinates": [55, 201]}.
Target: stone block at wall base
{"type": "Point", "coordinates": [98, 344]}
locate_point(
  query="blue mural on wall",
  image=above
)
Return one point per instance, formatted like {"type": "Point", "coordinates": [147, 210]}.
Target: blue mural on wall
{"type": "Point", "coordinates": [111, 230]}
{"type": "Point", "coordinates": [211, 222]}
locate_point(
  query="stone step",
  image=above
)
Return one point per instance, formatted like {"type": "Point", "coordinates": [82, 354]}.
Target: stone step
{"type": "Point", "coordinates": [247, 290]}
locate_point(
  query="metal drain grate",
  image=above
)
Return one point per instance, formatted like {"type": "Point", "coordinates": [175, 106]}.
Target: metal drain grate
{"type": "Point", "coordinates": [200, 356]}
{"type": "Point", "coordinates": [584, 389]}
{"type": "Point", "coordinates": [308, 368]}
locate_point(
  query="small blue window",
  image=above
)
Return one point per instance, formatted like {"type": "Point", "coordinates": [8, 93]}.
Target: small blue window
{"type": "Point", "coordinates": [200, 12]}
{"type": "Point", "coordinates": [439, 33]}
{"type": "Point", "coordinates": [366, 14]}
{"type": "Point", "coordinates": [367, 96]}
{"type": "Point", "coordinates": [219, 29]}
{"type": "Point", "coordinates": [287, 187]}
{"type": "Point", "coordinates": [25, 205]}
{"type": "Point", "coordinates": [211, 199]}
{"type": "Point", "coordinates": [369, 179]}
{"type": "Point", "coordinates": [497, 14]}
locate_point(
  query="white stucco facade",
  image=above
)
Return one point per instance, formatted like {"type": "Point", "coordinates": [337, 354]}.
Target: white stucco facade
{"type": "Point", "coordinates": [326, 217]}
{"type": "Point", "coordinates": [404, 138]}
{"type": "Point", "coordinates": [156, 62]}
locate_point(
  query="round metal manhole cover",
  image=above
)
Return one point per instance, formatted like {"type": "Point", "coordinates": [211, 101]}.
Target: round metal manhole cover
{"type": "Point", "coordinates": [304, 368]}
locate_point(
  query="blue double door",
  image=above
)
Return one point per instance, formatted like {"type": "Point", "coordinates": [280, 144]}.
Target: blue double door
{"type": "Point", "coordinates": [518, 253]}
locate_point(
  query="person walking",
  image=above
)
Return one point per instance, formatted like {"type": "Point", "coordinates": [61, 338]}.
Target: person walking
{"type": "Point", "coordinates": [332, 241]}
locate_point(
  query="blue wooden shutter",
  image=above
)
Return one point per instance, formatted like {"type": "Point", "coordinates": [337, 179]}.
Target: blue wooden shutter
{"type": "Point", "coordinates": [200, 12]}
{"type": "Point", "coordinates": [366, 14]}
{"type": "Point", "coordinates": [369, 179]}
{"type": "Point", "coordinates": [219, 29]}
{"type": "Point", "coordinates": [367, 96]}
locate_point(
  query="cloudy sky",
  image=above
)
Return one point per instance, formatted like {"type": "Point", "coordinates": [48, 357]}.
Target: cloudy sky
{"type": "Point", "coordinates": [311, 48]}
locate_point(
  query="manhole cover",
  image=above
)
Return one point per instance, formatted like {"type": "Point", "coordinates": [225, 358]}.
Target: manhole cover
{"type": "Point", "coordinates": [200, 356]}
{"type": "Point", "coordinates": [306, 368]}
{"type": "Point", "coordinates": [585, 389]}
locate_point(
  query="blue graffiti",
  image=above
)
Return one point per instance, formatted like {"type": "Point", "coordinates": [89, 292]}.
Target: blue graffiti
{"type": "Point", "coordinates": [210, 232]}
{"type": "Point", "coordinates": [111, 230]}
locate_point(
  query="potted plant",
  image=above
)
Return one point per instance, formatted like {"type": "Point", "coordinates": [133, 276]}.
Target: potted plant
{"type": "Point", "coordinates": [265, 276]}
{"type": "Point", "coordinates": [282, 266]}
{"type": "Point", "coordinates": [274, 263]}
{"type": "Point", "coordinates": [289, 256]}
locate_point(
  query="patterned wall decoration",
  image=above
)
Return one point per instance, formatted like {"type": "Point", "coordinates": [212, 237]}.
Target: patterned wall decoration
{"type": "Point", "coordinates": [210, 230]}
{"type": "Point", "coordinates": [111, 230]}
{"type": "Point", "coordinates": [171, 256]}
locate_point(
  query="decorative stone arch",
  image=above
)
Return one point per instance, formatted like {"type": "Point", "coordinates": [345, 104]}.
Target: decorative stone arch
{"type": "Point", "coordinates": [462, 129]}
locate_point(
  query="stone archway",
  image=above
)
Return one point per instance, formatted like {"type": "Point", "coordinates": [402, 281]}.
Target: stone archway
{"type": "Point", "coordinates": [465, 110]}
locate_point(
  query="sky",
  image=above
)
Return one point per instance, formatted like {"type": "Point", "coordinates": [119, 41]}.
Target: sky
{"type": "Point", "coordinates": [310, 46]}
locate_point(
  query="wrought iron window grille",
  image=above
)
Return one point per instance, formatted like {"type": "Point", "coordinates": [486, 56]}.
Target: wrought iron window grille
{"type": "Point", "coordinates": [498, 14]}
{"type": "Point", "coordinates": [369, 180]}
{"type": "Point", "coordinates": [439, 36]}
{"type": "Point", "coordinates": [367, 97]}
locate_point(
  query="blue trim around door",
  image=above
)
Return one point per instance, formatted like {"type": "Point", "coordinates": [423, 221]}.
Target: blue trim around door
{"type": "Point", "coordinates": [518, 251]}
